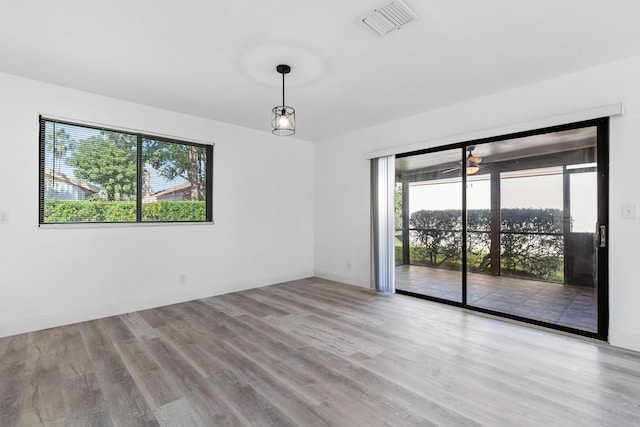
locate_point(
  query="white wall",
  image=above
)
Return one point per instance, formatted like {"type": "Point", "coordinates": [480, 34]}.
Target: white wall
{"type": "Point", "coordinates": [263, 212]}
{"type": "Point", "coordinates": [342, 226]}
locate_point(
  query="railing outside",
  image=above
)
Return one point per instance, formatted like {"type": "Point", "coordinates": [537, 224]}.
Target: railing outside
{"type": "Point", "coordinates": [531, 242]}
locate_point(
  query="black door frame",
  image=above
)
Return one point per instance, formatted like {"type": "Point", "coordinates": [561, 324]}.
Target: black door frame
{"type": "Point", "coordinates": [602, 158]}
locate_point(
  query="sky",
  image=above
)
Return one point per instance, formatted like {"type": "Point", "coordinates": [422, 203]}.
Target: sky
{"type": "Point", "coordinates": [521, 192]}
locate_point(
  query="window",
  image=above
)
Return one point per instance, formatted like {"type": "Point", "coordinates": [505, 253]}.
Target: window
{"type": "Point", "coordinates": [96, 175]}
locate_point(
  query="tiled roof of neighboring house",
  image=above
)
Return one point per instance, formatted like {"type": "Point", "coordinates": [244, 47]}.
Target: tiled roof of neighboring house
{"type": "Point", "coordinates": [168, 193]}
{"type": "Point", "coordinates": [59, 176]}
{"type": "Point", "coordinates": [179, 187]}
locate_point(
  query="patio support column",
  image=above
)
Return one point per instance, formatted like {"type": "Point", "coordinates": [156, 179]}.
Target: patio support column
{"type": "Point", "coordinates": [566, 223]}
{"type": "Point", "coordinates": [494, 249]}
{"type": "Point", "coordinates": [406, 259]}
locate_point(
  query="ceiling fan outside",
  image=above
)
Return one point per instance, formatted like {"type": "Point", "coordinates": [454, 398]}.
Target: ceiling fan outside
{"type": "Point", "coordinates": [472, 163]}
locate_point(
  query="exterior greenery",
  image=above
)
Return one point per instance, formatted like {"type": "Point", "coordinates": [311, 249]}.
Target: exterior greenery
{"type": "Point", "coordinates": [107, 160]}
{"type": "Point", "coordinates": [86, 211]}
{"type": "Point", "coordinates": [531, 242]}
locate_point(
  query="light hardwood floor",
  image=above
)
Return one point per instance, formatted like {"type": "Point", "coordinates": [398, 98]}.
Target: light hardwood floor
{"type": "Point", "coordinates": [312, 353]}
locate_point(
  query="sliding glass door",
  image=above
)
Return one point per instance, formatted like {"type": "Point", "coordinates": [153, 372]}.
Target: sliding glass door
{"type": "Point", "coordinates": [530, 211]}
{"type": "Point", "coordinates": [429, 237]}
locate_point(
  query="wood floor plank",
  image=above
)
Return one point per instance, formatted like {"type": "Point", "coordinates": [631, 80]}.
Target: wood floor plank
{"type": "Point", "coordinates": [266, 296]}
{"type": "Point", "coordinates": [13, 366]}
{"type": "Point", "coordinates": [12, 380]}
{"type": "Point", "coordinates": [127, 406]}
{"type": "Point", "coordinates": [74, 359]}
{"type": "Point", "coordinates": [277, 390]}
{"type": "Point", "coordinates": [152, 381]}
{"type": "Point", "coordinates": [84, 402]}
{"type": "Point", "coordinates": [42, 402]}
{"type": "Point", "coordinates": [312, 353]}
{"type": "Point", "coordinates": [308, 328]}
{"type": "Point", "coordinates": [252, 306]}
{"type": "Point", "coordinates": [249, 403]}
{"type": "Point", "coordinates": [201, 396]}
{"type": "Point", "coordinates": [13, 348]}
{"type": "Point", "coordinates": [179, 413]}
{"type": "Point", "coordinates": [116, 328]}
{"type": "Point", "coordinates": [138, 326]}
{"type": "Point", "coordinates": [152, 317]}
{"type": "Point", "coordinates": [194, 355]}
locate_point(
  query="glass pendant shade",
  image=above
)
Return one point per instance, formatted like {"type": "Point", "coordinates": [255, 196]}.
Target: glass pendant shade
{"type": "Point", "coordinates": [283, 120]}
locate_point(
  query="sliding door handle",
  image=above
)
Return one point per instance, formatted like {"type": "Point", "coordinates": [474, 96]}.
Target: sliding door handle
{"type": "Point", "coordinates": [603, 236]}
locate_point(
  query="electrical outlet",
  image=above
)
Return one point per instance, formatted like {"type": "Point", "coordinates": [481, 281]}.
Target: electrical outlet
{"type": "Point", "coordinates": [4, 217]}
{"type": "Point", "coordinates": [182, 279]}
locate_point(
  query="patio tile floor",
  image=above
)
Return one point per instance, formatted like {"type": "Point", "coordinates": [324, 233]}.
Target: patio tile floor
{"type": "Point", "coordinates": [566, 305]}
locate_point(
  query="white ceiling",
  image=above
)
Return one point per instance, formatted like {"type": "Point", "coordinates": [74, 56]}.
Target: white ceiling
{"type": "Point", "coordinates": [217, 59]}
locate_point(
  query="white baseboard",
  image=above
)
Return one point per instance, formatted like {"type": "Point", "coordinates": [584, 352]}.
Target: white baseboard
{"type": "Point", "coordinates": [50, 320]}
{"type": "Point", "coordinates": [624, 339]}
{"type": "Point", "coordinates": [363, 282]}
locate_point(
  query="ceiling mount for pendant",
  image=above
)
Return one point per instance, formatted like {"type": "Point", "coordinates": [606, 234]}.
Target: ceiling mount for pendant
{"type": "Point", "coordinates": [283, 118]}
{"type": "Point", "coordinates": [283, 69]}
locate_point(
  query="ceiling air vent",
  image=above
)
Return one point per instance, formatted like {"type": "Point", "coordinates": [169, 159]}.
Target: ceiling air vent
{"type": "Point", "coordinates": [388, 18]}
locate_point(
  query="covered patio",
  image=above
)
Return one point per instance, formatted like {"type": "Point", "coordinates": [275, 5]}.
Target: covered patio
{"type": "Point", "coordinates": [556, 303]}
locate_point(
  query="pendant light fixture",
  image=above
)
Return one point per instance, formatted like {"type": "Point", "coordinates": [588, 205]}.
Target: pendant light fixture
{"type": "Point", "coordinates": [283, 118]}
